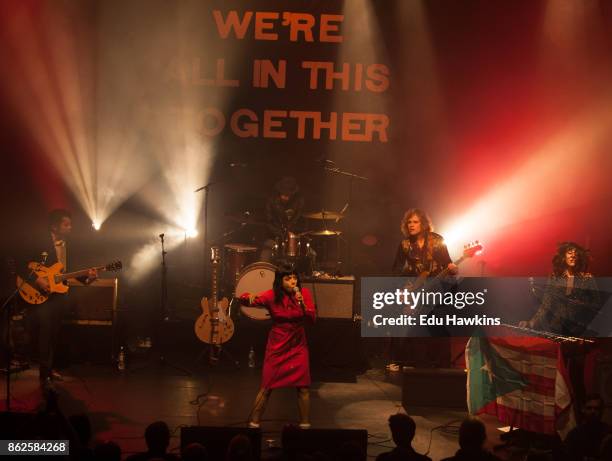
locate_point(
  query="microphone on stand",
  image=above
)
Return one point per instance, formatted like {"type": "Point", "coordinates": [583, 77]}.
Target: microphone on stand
{"type": "Point", "coordinates": [238, 165]}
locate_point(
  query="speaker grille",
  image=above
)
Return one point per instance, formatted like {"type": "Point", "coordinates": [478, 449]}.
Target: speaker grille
{"type": "Point", "coordinates": [334, 298]}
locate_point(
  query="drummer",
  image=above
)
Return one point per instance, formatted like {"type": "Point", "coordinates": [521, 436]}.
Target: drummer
{"type": "Point", "coordinates": [283, 212]}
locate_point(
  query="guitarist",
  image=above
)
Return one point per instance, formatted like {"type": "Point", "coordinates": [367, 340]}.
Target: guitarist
{"type": "Point", "coordinates": [422, 253]}
{"type": "Point", "coordinates": [53, 249]}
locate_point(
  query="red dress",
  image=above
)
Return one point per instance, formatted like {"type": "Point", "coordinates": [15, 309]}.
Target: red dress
{"type": "Point", "coordinates": [286, 362]}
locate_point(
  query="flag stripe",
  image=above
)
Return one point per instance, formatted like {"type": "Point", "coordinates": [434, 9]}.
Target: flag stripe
{"type": "Point", "coordinates": [521, 419]}
{"type": "Point", "coordinates": [529, 402]}
{"type": "Point", "coordinates": [536, 346]}
{"type": "Point", "coordinates": [526, 363]}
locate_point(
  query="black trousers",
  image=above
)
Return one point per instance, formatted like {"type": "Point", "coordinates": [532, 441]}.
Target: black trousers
{"type": "Point", "coordinates": [49, 317]}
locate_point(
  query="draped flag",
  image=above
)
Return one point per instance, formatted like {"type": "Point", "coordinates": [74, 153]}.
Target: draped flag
{"type": "Point", "coordinates": [521, 380]}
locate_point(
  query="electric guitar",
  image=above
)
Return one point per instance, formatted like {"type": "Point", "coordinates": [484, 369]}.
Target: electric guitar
{"type": "Point", "coordinates": [214, 326]}
{"type": "Point", "coordinates": [55, 277]}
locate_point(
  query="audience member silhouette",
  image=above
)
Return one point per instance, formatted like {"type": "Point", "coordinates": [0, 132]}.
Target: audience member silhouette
{"type": "Point", "coordinates": [403, 429]}
{"type": "Point", "coordinates": [472, 437]}
{"type": "Point", "coordinates": [107, 451]}
{"type": "Point", "coordinates": [585, 440]}
{"type": "Point", "coordinates": [194, 452]}
{"type": "Point", "coordinates": [157, 437]}
{"type": "Point", "coordinates": [239, 449]}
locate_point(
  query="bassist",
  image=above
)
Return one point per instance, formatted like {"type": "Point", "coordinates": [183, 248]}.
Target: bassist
{"type": "Point", "coordinates": [422, 253]}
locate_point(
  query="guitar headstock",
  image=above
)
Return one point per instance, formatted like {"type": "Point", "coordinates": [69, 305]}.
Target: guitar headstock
{"type": "Point", "coordinates": [115, 266]}
{"type": "Point", "coordinates": [215, 255]}
{"type": "Point", "coordinates": [472, 248]}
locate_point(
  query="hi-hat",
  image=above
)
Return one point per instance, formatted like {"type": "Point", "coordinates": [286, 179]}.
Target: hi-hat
{"type": "Point", "coordinates": [323, 215]}
{"type": "Point", "coordinates": [325, 232]}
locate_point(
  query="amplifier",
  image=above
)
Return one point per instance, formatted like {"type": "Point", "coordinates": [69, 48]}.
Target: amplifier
{"type": "Point", "coordinates": [93, 304]}
{"type": "Point", "coordinates": [334, 298]}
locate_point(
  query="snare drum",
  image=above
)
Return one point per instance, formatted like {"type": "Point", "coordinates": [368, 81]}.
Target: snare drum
{"type": "Point", "coordinates": [254, 279]}
{"type": "Point", "coordinates": [237, 257]}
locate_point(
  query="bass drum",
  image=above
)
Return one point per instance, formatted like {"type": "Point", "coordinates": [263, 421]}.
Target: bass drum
{"type": "Point", "coordinates": [254, 279]}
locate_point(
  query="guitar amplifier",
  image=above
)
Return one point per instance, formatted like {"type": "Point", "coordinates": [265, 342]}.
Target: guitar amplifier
{"type": "Point", "coordinates": [334, 298]}
{"type": "Point", "coordinates": [93, 304]}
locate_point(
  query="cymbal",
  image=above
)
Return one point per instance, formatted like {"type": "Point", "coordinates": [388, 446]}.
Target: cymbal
{"type": "Point", "coordinates": [245, 217]}
{"type": "Point", "coordinates": [323, 215]}
{"type": "Point", "coordinates": [325, 232]}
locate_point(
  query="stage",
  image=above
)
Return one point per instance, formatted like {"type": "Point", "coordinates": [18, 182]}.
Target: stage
{"type": "Point", "coordinates": [121, 405]}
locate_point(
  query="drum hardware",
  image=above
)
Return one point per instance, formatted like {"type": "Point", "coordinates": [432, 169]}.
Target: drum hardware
{"type": "Point", "coordinates": [334, 170]}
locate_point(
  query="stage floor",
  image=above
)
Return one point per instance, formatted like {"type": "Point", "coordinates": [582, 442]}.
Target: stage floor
{"type": "Point", "coordinates": [121, 405]}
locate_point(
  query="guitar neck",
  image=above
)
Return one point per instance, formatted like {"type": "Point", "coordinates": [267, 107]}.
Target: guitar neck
{"type": "Point", "coordinates": [214, 289]}
{"type": "Point", "coordinates": [80, 273]}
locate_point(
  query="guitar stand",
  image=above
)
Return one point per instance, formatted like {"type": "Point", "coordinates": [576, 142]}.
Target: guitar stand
{"type": "Point", "coordinates": [215, 352]}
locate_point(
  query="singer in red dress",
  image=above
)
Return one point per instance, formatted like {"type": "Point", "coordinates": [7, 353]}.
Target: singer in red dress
{"type": "Point", "coordinates": [286, 362]}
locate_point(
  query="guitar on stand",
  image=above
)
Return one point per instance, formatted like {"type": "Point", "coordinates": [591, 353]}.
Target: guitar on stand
{"type": "Point", "coordinates": [214, 326]}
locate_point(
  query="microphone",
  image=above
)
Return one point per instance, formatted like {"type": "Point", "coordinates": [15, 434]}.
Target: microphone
{"type": "Point", "coordinates": [238, 165]}
{"type": "Point", "coordinates": [296, 290]}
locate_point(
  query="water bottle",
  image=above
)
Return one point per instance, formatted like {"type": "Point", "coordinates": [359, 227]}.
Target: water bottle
{"type": "Point", "coordinates": [121, 359]}
{"type": "Point", "coordinates": [252, 358]}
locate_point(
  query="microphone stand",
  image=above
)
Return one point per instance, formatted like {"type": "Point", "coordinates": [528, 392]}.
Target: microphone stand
{"type": "Point", "coordinates": [163, 316]}
{"type": "Point", "coordinates": [352, 176]}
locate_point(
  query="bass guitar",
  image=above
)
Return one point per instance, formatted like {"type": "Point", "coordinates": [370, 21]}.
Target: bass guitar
{"type": "Point", "coordinates": [214, 326]}
{"type": "Point", "coordinates": [425, 279]}
{"type": "Point", "coordinates": [55, 278]}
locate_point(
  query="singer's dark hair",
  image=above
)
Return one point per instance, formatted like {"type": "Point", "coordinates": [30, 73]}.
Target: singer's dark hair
{"type": "Point", "coordinates": [282, 271]}
{"type": "Point", "coordinates": [55, 217]}
{"type": "Point", "coordinates": [582, 258]}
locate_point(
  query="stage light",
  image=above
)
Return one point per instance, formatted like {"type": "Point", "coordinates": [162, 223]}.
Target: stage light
{"type": "Point", "coordinates": [552, 178]}
{"type": "Point", "coordinates": [88, 129]}
{"type": "Point", "coordinates": [191, 233]}
{"type": "Point", "coordinates": [96, 225]}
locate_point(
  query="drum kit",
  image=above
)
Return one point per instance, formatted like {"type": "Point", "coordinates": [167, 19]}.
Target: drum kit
{"type": "Point", "coordinates": [315, 252]}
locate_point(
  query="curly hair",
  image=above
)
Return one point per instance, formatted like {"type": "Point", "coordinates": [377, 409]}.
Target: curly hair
{"type": "Point", "coordinates": [558, 261]}
{"type": "Point", "coordinates": [426, 224]}
{"type": "Point", "coordinates": [277, 286]}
